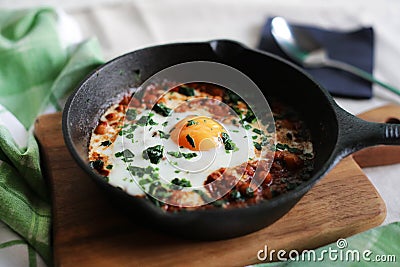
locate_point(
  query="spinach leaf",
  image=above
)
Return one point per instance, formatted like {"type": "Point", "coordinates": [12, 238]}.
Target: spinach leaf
{"type": "Point", "coordinates": [181, 182]}
{"type": "Point", "coordinates": [131, 114]}
{"type": "Point", "coordinates": [190, 140]}
{"type": "Point", "coordinates": [185, 90]}
{"type": "Point", "coordinates": [106, 143]}
{"type": "Point", "coordinates": [228, 143]}
{"type": "Point", "coordinates": [163, 135]}
{"type": "Point", "coordinates": [154, 154]}
{"type": "Point", "coordinates": [162, 109]}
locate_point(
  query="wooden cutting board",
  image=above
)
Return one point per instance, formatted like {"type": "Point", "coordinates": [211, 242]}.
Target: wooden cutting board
{"type": "Point", "coordinates": [88, 231]}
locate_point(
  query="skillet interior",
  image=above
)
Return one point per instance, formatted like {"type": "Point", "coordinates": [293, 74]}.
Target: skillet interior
{"type": "Point", "coordinates": [275, 77]}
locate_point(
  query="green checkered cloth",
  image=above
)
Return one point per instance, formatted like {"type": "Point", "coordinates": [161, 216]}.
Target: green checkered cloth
{"type": "Point", "coordinates": [36, 69]}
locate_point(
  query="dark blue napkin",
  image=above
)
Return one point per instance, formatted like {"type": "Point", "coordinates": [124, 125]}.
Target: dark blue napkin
{"type": "Point", "coordinates": [355, 47]}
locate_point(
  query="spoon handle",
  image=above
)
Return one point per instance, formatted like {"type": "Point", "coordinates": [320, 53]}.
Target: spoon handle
{"type": "Point", "coordinates": [361, 73]}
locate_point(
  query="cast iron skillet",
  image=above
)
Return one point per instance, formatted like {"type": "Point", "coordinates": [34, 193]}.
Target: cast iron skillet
{"type": "Point", "coordinates": [335, 132]}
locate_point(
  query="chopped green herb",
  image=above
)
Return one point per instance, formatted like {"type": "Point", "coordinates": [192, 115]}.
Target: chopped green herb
{"type": "Point", "coordinates": [154, 176]}
{"type": "Point", "coordinates": [129, 136]}
{"type": "Point", "coordinates": [131, 129]}
{"type": "Point", "coordinates": [264, 141]}
{"type": "Point", "coordinates": [257, 146]}
{"type": "Point", "coordinates": [97, 164]}
{"type": "Point", "coordinates": [191, 122]}
{"type": "Point", "coordinates": [162, 109]}
{"type": "Point", "coordinates": [131, 114]}
{"type": "Point", "coordinates": [165, 123]}
{"type": "Point", "coordinates": [106, 143]}
{"type": "Point", "coordinates": [231, 97]}
{"type": "Point", "coordinates": [234, 131]}
{"type": "Point", "coordinates": [140, 172]}
{"type": "Point", "coordinates": [189, 155]}
{"type": "Point", "coordinates": [146, 120]}
{"type": "Point", "coordinates": [128, 155]}
{"type": "Point", "coordinates": [163, 135]}
{"type": "Point", "coordinates": [228, 143]}
{"type": "Point", "coordinates": [175, 154]}
{"type": "Point", "coordinates": [258, 131]}
{"type": "Point", "coordinates": [151, 122]}
{"type": "Point", "coordinates": [181, 182]}
{"type": "Point", "coordinates": [294, 150]}
{"type": "Point", "coordinates": [280, 146]}
{"type": "Point", "coordinates": [190, 140]}
{"type": "Point", "coordinates": [185, 90]}
{"type": "Point", "coordinates": [162, 193]}
{"type": "Point", "coordinates": [254, 137]}
{"type": "Point", "coordinates": [119, 154]}
{"type": "Point", "coordinates": [142, 121]}
{"type": "Point", "coordinates": [224, 136]}
{"type": "Point", "coordinates": [249, 117]}
{"type": "Point", "coordinates": [154, 154]}
{"type": "Point", "coordinates": [137, 171]}
{"type": "Point", "coordinates": [144, 181]}
{"type": "Point", "coordinates": [109, 167]}
{"type": "Point", "coordinates": [177, 171]}
{"type": "Point", "coordinates": [149, 169]}
{"type": "Point", "coordinates": [247, 126]}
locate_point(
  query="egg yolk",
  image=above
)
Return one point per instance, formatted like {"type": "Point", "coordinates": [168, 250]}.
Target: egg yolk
{"type": "Point", "coordinates": [198, 133]}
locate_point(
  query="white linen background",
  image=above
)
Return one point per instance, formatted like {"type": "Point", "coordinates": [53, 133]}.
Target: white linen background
{"type": "Point", "coordinates": [123, 26]}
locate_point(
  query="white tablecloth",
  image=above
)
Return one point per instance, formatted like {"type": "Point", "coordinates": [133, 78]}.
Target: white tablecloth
{"type": "Point", "coordinates": [123, 26]}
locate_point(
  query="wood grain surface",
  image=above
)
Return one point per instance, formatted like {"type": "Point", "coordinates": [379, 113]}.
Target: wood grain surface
{"type": "Point", "coordinates": [88, 231]}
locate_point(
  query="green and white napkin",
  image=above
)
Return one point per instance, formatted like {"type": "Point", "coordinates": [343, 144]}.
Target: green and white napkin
{"type": "Point", "coordinates": [38, 65]}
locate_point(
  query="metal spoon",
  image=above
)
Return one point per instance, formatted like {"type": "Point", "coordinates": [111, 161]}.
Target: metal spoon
{"type": "Point", "coordinates": [299, 45]}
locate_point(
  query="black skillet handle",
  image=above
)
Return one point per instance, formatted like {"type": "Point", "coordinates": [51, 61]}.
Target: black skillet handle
{"type": "Point", "coordinates": [356, 134]}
